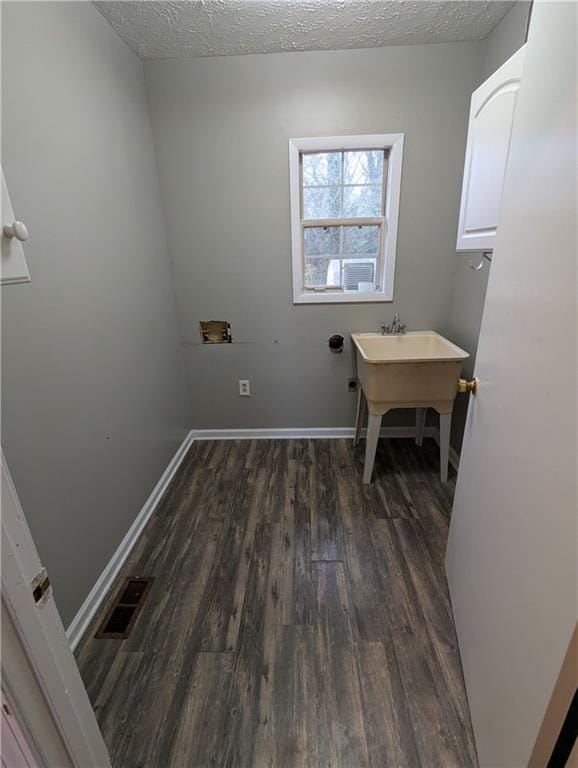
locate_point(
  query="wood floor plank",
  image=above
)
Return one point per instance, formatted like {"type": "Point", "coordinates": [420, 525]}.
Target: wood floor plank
{"type": "Point", "coordinates": [389, 476]}
{"type": "Point", "coordinates": [342, 458]}
{"type": "Point", "coordinates": [94, 661]}
{"type": "Point", "coordinates": [326, 543]}
{"type": "Point", "coordinates": [251, 674]}
{"type": "Point", "coordinates": [433, 523]}
{"type": "Point", "coordinates": [158, 698]}
{"type": "Point", "coordinates": [218, 453]}
{"type": "Point", "coordinates": [181, 578]}
{"type": "Point", "coordinates": [340, 725]}
{"type": "Point", "coordinates": [264, 747]}
{"type": "Point", "coordinates": [437, 743]}
{"type": "Point", "coordinates": [365, 577]}
{"type": "Point", "coordinates": [433, 597]}
{"type": "Point", "coordinates": [218, 628]}
{"type": "Point", "coordinates": [300, 450]}
{"type": "Point", "coordinates": [121, 679]}
{"type": "Point", "coordinates": [277, 480]}
{"type": "Point", "coordinates": [296, 585]}
{"type": "Point", "coordinates": [402, 609]}
{"type": "Point", "coordinates": [291, 739]}
{"type": "Point", "coordinates": [421, 620]}
{"type": "Point", "coordinates": [203, 717]}
{"type": "Point", "coordinates": [390, 737]}
{"type": "Point", "coordinates": [297, 618]}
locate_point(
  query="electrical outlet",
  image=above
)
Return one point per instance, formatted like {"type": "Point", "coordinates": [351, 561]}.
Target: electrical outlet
{"type": "Point", "coordinates": [244, 388]}
{"type": "Point", "coordinates": [352, 385]}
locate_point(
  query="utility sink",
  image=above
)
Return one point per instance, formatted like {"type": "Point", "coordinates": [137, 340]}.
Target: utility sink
{"type": "Point", "coordinates": [411, 370]}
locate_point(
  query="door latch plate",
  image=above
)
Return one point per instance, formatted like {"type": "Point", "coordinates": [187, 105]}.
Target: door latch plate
{"type": "Point", "coordinates": [41, 588]}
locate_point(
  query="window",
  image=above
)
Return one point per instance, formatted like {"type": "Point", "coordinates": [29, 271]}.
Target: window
{"type": "Point", "coordinates": [344, 204]}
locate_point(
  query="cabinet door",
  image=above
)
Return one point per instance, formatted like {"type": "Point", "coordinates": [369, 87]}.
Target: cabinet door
{"type": "Point", "coordinates": [13, 268]}
{"type": "Point", "coordinates": [490, 127]}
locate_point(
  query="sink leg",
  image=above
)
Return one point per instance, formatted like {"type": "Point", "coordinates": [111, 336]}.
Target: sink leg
{"type": "Point", "coordinates": [373, 427]}
{"type": "Point", "coordinates": [360, 414]}
{"type": "Point", "coordinates": [420, 414]}
{"type": "Point", "coordinates": [445, 424]}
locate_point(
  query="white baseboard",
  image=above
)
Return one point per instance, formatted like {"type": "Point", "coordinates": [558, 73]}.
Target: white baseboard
{"type": "Point", "coordinates": [311, 433]}
{"type": "Point", "coordinates": [97, 594]}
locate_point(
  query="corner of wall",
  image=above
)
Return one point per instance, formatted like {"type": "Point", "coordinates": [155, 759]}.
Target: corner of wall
{"type": "Point", "coordinates": [469, 286]}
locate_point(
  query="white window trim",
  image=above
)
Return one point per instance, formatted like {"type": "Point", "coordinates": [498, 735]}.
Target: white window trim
{"type": "Point", "coordinates": [394, 143]}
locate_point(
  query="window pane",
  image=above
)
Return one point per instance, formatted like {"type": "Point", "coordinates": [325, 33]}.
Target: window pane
{"type": "Point", "coordinates": [321, 203]}
{"type": "Point", "coordinates": [321, 241]}
{"type": "Point", "coordinates": [362, 201]}
{"type": "Point", "coordinates": [363, 167]}
{"type": "Point", "coordinates": [322, 168]}
{"type": "Point", "coordinates": [361, 241]}
{"type": "Point", "coordinates": [321, 271]}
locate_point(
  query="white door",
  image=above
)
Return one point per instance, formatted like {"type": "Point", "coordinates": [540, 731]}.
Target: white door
{"type": "Point", "coordinates": [15, 751]}
{"type": "Point", "coordinates": [48, 701]}
{"type": "Point", "coordinates": [511, 556]}
{"type": "Point", "coordinates": [492, 112]}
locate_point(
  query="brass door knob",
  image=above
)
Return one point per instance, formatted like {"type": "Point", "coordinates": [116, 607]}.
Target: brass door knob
{"type": "Point", "coordinates": [468, 385]}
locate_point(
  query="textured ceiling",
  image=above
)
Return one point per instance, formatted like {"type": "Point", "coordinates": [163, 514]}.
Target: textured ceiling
{"type": "Point", "coordinates": [173, 29]}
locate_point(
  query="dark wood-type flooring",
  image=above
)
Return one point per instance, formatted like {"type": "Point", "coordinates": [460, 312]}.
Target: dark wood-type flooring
{"type": "Point", "coordinates": [297, 618]}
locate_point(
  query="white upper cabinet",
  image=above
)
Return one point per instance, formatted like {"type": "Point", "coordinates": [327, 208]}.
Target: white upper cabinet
{"type": "Point", "coordinates": [491, 116]}
{"type": "Point", "coordinates": [13, 268]}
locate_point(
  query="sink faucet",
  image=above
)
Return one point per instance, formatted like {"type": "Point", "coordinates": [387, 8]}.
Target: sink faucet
{"type": "Point", "coordinates": [396, 326]}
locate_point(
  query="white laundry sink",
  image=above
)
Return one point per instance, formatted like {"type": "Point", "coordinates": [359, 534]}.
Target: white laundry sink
{"type": "Point", "coordinates": [411, 370]}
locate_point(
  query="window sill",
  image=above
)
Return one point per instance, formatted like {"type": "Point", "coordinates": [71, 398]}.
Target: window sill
{"type": "Point", "coordinates": [342, 298]}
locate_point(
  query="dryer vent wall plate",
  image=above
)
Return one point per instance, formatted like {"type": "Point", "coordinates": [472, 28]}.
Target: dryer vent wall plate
{"type": "Point", "coordinates": [335, 343]}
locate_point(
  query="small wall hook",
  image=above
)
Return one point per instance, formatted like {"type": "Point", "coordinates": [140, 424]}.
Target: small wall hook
{"type": "Point", "coordinates": [485, 255]}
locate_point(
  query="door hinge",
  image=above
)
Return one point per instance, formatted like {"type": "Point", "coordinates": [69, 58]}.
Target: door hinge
{"type": "Point", "coordinates": [41, 587]}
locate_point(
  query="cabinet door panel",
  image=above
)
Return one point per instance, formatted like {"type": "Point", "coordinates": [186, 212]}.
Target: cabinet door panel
{"type": "Point", "coordinates": [491, 115]}
{"type": "Point", "coordinates": [13, 267]}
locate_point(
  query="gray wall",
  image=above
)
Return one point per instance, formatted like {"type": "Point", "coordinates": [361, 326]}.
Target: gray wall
{"type": "Point", "coordinates": [469, 287]}
{"type": "Point", "coordinates": [221, 129]}
{"type": "Point", "coordinates": [94, 403]}
{"type": "Point", "coordinates": [505, 38]}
